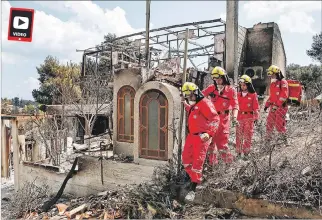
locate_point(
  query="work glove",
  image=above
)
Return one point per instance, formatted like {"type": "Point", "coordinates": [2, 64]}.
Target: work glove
{"type": "Point", "coordinates": [265, 109]}
{"type": "Point", "coordinates": [256, 122]}
{"type": "Point", "coordinates": [274, 108]}
{"type": "Point", "coordinates": [235, 122]}
{"type": "Point", "coordinates": [204, 137]}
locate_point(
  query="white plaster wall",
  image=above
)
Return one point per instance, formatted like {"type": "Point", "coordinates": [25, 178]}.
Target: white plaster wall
{"type": "Point", "coordinates": [173, 96]}
{"type": "Point", "coordinates": [124, 77]}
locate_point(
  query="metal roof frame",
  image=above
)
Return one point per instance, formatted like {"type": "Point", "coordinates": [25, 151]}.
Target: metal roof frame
{"type": "Point", "coordinates": [163, 39]}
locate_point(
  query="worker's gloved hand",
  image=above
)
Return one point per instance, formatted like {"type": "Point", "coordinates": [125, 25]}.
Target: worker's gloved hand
{"type": "Point", "coordinates": [256, 122]}
{"type": "Point", "coordinates": [235, 122]}
{"type": "Point", "coordinates": [204, 137]}
{"type": "Point", "coordinates": [265, 109]}
{"type": "Point", "coordinates": [274, 108]}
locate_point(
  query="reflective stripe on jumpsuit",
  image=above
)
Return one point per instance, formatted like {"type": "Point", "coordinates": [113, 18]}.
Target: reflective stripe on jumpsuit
{"type": "Point", "coordinates": [202, 118]}
{"type": "Point", "coordinates": [248, 113]}
{"type": "Point", "coordinates": [278, 97]}
{"type": "Point", "coordinates": [220, 139]}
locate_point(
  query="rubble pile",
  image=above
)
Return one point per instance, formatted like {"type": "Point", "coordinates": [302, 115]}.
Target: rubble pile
{"type": "Point", "coordinates": [145, 201]}
{"type": "Point", "coordinates": [273, 171]}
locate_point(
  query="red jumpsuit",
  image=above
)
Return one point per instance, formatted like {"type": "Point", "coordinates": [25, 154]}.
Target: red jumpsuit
{"type": "Point", "coordinates": [202, 118]}
{"type": "Point", "coordinates": [248, 113]}
{"type": "Point", "coordinates": [278, 96]}
{"type": "Point", "coordinates": [223, 102]}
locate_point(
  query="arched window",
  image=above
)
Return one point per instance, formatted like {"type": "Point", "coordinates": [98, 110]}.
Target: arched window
{"type": "Point", "coordinates": [153, 125]}
{"type": "Point", "coordinates": [125, 114]}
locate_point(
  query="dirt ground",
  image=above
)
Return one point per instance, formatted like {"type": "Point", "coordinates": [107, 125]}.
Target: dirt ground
{"type": "Point", "coordinates": [7, 189]}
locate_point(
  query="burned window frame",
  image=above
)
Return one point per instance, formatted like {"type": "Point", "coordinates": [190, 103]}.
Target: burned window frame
{"type": "Point", "coordinates": [144, 151]}
{"type": "Point", "coordinates": [122, 92]}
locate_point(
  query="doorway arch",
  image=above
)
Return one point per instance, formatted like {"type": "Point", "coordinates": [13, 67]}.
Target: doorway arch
{"type": "Point", "coordinates": [153, 125]}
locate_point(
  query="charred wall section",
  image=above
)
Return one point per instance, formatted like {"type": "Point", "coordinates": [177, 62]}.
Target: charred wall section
{"type": "Point", "coordinates": [264, 48]}
{"type": "Point", "coordinates": [278, 52]}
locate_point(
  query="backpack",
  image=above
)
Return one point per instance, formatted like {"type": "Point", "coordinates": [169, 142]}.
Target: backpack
{"type": "Point", "coordinates": [294, 92]}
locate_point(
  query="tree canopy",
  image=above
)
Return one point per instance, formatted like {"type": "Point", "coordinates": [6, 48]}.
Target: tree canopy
{"type": "Point", "coordinates": [316, 50]}
{"type": "Point", "coordinates": [46, 71]}
{"type": "Point", "coordinates": [65, 83]}
{"type": "Point", "coordinates": [310, 76]}
{"type": "Point", "coordinates": [55, 77]}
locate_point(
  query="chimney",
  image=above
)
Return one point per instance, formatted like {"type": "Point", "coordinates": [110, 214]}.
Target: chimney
{"type": "Point", "coordinates": [231, 65]}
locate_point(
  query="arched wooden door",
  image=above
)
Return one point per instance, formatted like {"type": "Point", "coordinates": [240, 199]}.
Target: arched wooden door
{"type": "Point", "coordinates": [153, 125]}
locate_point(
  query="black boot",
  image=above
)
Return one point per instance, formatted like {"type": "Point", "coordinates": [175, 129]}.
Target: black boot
{"type": "Point", "coordinates": [190, 196]}
{"type": "Point", "coordinates": [186, 177]}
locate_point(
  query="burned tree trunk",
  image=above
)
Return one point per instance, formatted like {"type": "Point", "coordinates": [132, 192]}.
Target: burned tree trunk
{"type": "Point", "coordinates": [52, 201]}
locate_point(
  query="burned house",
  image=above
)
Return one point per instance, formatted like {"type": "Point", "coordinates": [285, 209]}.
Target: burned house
{"type": "Point", "coordinates": [146, 105]}
{"type": "Point", "coordinates": [144, 112]}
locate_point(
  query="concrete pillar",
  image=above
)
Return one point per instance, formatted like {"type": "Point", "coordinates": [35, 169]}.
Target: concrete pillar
{"type": "Point", "coordinates": [232, 39]}
{"type": "Point", "coordinates": [15, 144]}
{"type": "Point", "coordinates": [4, 162]}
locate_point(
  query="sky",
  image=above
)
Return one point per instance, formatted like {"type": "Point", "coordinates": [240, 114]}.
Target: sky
{"type": "Point", "coordinates": [61, 27]}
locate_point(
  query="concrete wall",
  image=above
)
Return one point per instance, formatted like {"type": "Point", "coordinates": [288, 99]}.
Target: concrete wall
{"type": "Point", "coordinates": [278, 52]}
{"type": "Point", "coordinates": [88, 179]}
{"type": "Point", "coordinates": [5, 149]}
{"type": "Point", "coordinates": [264, 48]}
{"type": "Point", "coordinates": [242, 47]}
{"type": "Point", "coordinates": [219, 48]}
{"type": "Point", "coordinates": [129, 77]}
{"type": "Point", "coordinates": [259, 51]}
{"type": "Point", "coordinates": [173, 96]}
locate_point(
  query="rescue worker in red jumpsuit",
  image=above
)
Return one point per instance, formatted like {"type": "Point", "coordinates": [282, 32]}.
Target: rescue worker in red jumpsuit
{"type": "Point", "coordinates": [203, 122]}
{"type": "Point", "coordinates": [277, 103]}
{"type": "Point", "coordinates": [247, 115]}
{"type": "Point", "coordinates": [224, 98]}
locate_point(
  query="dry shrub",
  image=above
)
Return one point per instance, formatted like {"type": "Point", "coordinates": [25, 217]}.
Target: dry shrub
{"type": "Point", "coordinates": [275, 171]}
{"type": "Point", "coordinates": [155, 199]}
{"type": "Point", "coordinates": [27, 199]}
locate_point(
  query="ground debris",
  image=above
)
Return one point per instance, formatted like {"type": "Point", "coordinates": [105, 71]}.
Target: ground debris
{"type": "Point", "coordinates": [272, 171]}
{"type": "Point", "coordinates": [152, 200]}
{"type": "Point", "coordinates": [275, 171]}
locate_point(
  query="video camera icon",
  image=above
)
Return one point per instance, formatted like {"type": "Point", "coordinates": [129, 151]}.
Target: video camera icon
{"type": "Point", "coordinates": [21, 23]}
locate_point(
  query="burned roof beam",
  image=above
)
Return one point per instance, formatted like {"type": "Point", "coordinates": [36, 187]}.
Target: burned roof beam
{"type": "Point", "coordinates": [170, 27]}
{"type": "Point", "coordinates": [88, 52]}
{"type": "Point", "coordinates": [199, 48]}
{"type": "Point", "coordinates": [207, 35]}
{"type": "Point", "coordinates": [181, 56]}
{"type": "Point", "coordinates": [192, 29]}
{"type": "Point", "coordinates": [191, 42]}
{"type": "Point", "coordinates": [200, 28]}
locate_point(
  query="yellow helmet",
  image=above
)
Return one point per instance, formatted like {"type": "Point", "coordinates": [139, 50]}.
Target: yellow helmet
{"type": "Point", "coordinates": [217, 72]}
{"type": "Point", "coordinates": [188, 87]}
{"type": "Point", "coordinates": [273, 70]}
{"type": "Point", "coordinates": [245, 79]}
